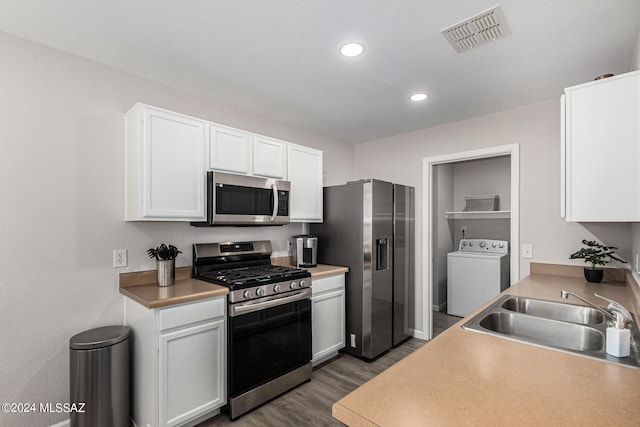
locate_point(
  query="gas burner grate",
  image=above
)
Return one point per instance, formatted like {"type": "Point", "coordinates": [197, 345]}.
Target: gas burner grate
{"type": "Point", "coordinates": [252, 275]}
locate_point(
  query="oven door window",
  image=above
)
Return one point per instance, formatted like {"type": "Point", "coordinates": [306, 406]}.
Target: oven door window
{"type": "Point", "coordinates": [238, 200]}
{"type": "Point", "coordinates": [268, 343]}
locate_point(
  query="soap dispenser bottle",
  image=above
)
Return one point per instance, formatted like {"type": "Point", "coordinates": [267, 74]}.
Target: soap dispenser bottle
{"type": "Point", "coordinates": [618, 338]}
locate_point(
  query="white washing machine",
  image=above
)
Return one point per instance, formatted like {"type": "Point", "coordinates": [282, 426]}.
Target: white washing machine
{"type": "Point", "coordinates": [476, 272]}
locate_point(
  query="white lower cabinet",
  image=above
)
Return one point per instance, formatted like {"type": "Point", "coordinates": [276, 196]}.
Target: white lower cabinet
{"type": "Point", "coordinates": [327, 317]}
{"type": "Point", "coordinates": [179, 362]}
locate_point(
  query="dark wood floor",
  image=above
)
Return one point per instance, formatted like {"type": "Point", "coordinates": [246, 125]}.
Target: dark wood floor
{"type": "Point", "coordinates": [310, 404]}
{"type": "Point", "coordinates": [442, 321]}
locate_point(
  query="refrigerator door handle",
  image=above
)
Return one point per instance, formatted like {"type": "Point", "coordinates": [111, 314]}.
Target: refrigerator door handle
{"type": "Point", "coordinates": [382, 254]}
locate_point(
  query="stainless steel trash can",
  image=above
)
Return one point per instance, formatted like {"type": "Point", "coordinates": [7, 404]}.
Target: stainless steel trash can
{"type": "Point", "coordinates": [99, 377]}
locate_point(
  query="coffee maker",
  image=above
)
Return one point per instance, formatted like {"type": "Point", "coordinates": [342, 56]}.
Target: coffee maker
{"type": "Point", "coordinates": [305, 250]}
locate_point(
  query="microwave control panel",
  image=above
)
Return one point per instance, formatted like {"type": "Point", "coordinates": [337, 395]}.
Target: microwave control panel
{"type": "Point", "coordinates": [283, 203]}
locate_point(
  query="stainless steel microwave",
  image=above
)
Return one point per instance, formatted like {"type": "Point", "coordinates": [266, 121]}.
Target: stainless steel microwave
{"type": "Point", "coordinates": [246, 200]}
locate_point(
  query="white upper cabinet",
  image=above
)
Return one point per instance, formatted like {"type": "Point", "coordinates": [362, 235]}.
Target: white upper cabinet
{"type": "Point", "coordinates": [168, 154]}
{"type": "Point", "coordinates": [601, 150]}
{"type": "Point", "coordinates": [304, 171]}
{"type": "Point", "coordinates": [165, 167]}
{"type": "Point", "coordinates": [229, 149]}
{"type": "Point", "coordinates": [269, 157]}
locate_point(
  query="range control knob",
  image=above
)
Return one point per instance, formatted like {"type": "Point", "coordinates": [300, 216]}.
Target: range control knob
{"type": "Point", "coordinates": [502, 245]}
{"type": "Point", "coordinates": [482, 244]}
{"type": "Point", "coordinates": [470, 244]}
{"type": "Point", "coordinates": [302, 284]}
{"type": "Point", "coordinates": [246, 294]}
{"type": "Point", "coordinates": [259, 292]}
{"type": "Point", "coordinates": [464, 243]}
{"type": "Point", "coordinates": [292, 285]}
{"type": "Point", "coordinates": [276, 289]}
{"type": "Point", "coordinates": [493, 245]}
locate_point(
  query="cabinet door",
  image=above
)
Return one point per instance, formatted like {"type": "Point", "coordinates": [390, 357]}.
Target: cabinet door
{"type": "Point", "coordinates": [168, 161]}
{"type": "Point", "coordinates": [327, 317]}
{"type": "Point", "coordinates": [304, 170]}
{"type": "Point", "coordinates": [269, 157]}
{"type": "Point", "coordinates": [229, 149]}
{"type": "Point", "coordinates": [192, 372]}
{"type": "Point", "coordinates": [603, 150]}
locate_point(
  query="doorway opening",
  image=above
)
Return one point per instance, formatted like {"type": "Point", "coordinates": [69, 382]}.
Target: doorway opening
{"type": "Point", "coordinates": [445, 221]}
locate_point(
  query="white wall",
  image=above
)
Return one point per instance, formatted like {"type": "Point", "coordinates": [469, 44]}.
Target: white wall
{"type": "Point", "coordinates": [482, 177]}
{"type": "Point", "coordinates": [635, 228]}
{"type": "Point", "coordinates": [443, 235]}
{"type": "Point", "coordinates": [537, 129]}
{"type": "Point", "coordinates": [62, 192]}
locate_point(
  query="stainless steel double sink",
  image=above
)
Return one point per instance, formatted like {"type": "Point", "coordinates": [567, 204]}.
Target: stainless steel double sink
{"type": "Point", "coordinates": [565, 327]}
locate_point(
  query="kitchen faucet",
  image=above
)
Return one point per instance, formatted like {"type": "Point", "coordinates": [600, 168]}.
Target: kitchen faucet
{"type": "Point", "coordinates": [611, 310]}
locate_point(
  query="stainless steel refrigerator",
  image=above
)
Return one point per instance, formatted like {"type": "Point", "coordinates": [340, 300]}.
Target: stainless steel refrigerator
{"type": "Point", "coordinates": [369, 227]}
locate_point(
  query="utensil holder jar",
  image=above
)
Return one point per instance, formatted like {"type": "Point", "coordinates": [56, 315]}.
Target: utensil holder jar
{"type": "Point", "coordinates": [166, 272]}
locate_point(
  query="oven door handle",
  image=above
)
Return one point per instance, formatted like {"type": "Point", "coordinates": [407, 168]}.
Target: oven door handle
{"type": "Point", "coordinates": [251, 307]}
{"type": "Point", "coordinates": [274, 188]}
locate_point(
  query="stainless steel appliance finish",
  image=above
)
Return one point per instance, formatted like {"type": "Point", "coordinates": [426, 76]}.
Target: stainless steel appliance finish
{"type": "Point", "coordinates": [570, 328]}
{"type": "Point", "coordinates": [305, 250]}
{"type": "Point", "coordinates": [100, 377]}
{"type": "Point", "coordinates": [403, 260]}
{"type": "Point", "coordinates": [554, 310]}
{"type": "Point", "coordinates": [242, 200]}
{"type": "Point", "coordinates": [269, 323]}
{"type": "Point", "coordinates": [368, 227]}
{"type": "Point", "coordinates": [265, 392]}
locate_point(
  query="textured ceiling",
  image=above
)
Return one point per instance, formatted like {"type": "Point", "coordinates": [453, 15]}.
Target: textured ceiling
{"type": "Point", "coordinates": [278, 58]}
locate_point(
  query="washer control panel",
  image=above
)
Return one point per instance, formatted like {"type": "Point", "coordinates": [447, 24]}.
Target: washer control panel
{"type": "Point", "coordinates": [484, 245]}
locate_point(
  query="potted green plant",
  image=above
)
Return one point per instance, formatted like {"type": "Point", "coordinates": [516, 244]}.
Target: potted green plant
{"type": "Point", "coordinates": [595, 254]}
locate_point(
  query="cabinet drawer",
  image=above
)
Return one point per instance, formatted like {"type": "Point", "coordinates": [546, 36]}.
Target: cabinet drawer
{"type": "Point", "coordinates": [325, 284]}
{"type": "Point", "coordinates": [195, 312]}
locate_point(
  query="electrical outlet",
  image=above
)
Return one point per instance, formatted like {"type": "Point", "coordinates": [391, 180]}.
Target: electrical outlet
{"type": "Point", "coordinates": [526, 251]}
{"type": "Point", "coordinates": [636, 264]}
{"type": "Point", "coordinates": [353, 340]}
{"type": "Point", "coordinates": [119, 258]}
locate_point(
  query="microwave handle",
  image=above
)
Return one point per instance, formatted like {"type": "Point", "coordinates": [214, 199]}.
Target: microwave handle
{"type": "Point", "coordinates": [274, 187]}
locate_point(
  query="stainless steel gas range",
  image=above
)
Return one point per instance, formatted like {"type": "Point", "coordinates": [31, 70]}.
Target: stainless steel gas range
{"type": "Point", "coordinates": [269, 323]}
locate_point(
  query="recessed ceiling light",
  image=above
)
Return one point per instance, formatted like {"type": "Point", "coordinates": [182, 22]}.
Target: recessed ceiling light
{"type": "Point", "coordinates": [351, 49]}
{"type": "Point", "coordinates": [416, 97]}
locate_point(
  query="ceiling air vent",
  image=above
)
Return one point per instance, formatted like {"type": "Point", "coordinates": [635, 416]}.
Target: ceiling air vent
{"type": "Point", "coordinates": [480, 29]}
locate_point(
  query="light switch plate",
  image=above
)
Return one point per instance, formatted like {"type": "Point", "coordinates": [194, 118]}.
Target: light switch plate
{"type": "Point", "coordinates": [526, 251]}
{"type": "Point", "coordinates": [636, 263]}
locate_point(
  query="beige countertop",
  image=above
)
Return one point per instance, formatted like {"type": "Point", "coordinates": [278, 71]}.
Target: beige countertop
{"type": "Point", "coordinates": [323, 270]}
{"type": "Point", "coordinates": [141, 287]}
{"type": "Point", "coordinates": [320, 270]}
{"type": "Point", "coordinates": [467, 378]}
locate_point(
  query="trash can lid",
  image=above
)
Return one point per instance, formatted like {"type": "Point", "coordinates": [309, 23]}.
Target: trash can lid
{"type": "Point", "coordinates": [99, 337]}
